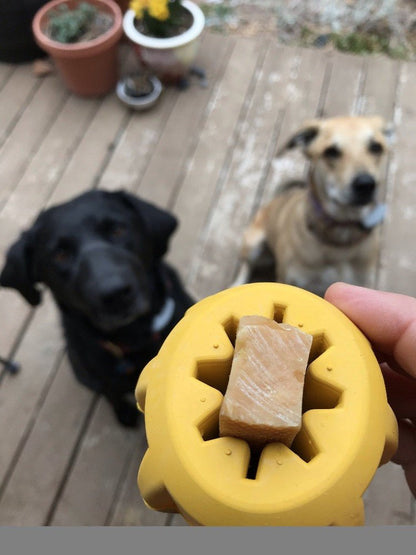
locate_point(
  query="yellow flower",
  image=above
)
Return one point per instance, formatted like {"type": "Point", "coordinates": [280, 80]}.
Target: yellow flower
{"type": "Point", "coordinates": [159, 9]}
{"type": "Point", "coordinates": [138, 6]}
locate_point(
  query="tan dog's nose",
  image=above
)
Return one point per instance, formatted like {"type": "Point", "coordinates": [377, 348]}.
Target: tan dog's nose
{"type": "Point", "coordinates": [363, 188]}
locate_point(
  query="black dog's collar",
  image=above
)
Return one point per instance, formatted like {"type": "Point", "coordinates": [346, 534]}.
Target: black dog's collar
{"type": "Point", "coordinates": [159, 322]}
{"type": "Point", "coordinates": [123, 365]}
{"type": "Point", "coordinates": [164, 316]}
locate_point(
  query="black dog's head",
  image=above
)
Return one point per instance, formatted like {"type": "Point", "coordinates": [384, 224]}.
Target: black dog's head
{"type": "Point", "coordinates": [96, 253]}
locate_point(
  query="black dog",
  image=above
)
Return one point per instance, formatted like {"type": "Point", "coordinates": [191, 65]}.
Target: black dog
{"type": "Point", "coordinates": [100, 254]}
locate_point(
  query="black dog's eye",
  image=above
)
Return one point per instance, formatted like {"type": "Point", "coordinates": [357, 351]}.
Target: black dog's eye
{"type": "Point", "coordinates": [118, 230]}
{"type": "Point", "coordinates": [332, 153]}
{"type": "Point", "coordinates": [375, 147]}
{"type": "Point", "coordinates": [114, 230]}
{"type": "Point", "coordinates": [61, 255]}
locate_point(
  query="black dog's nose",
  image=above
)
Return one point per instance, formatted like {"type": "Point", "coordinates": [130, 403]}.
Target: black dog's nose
{"type": "Point", "coordinates": [116, 295]}
{"type": "Point", "coordinates": [363, 188]}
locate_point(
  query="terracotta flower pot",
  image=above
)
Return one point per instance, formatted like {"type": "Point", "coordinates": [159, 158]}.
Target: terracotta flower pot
{"type": "Point", "coordinates": [87, 68]}
{"type": "Point", "coordinates": [169, 58]}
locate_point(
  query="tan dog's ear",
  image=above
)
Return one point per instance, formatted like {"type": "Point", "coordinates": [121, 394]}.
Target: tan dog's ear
{"type": "Point", "coordinates": [303, 137]}
{"type": "Point", "coordinates": [386, 128]}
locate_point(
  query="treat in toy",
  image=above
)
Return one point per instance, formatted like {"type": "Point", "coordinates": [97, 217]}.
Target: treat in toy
{"type": "Point", "coordinates": [263, 400]}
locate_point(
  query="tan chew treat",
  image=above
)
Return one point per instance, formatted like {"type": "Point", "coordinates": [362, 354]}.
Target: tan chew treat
{"type": "Point", "coordinates": [263, 401]}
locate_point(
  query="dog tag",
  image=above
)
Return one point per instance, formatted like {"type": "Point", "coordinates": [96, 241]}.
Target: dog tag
{"type": "Point", "coordinates": [375, 217]}
{"type": "Point", "coordinates": [263, 401]}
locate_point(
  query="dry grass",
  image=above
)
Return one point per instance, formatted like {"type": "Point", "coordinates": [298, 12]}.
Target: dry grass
{"type": "Point", "coordinates": [359, 26]}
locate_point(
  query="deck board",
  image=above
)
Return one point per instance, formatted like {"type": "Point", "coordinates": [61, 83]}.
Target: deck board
{"type": "Point", "coordinates": [164, 175]}
{"type": "Point", "coordinates": [15, 96]}
{"type": "Point", "coordinates": [208, 154]}
{"type": "Point", "coordinates": [104, 452]}
{"type": "Point", "coordinates": [204, 174]}
{"type": "Point", "coordinates": [302, 99]}
{"type": "Point", "coordinates": [135, 145]}
{"type": "Point", "coordinates": [24, 140]}
{"type": "Point", "coordinates": [50, 161]}
{"type": "Point", "coordinates": [382, 74]}
{"type": "Point", "coordinates": [6, 71]}
{"type": "Point", "coordinates": [398, 261]}
{"type": "Point", "coordinates": [43, 463]}
{"type": "Point", "coordinates": [93, 152]}
{"type": "Point", "coordinates": [21, 394]}
{"type": "Point", "coordinates": [128, 508]}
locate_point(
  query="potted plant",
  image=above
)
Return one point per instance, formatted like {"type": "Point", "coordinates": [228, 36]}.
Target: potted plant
{"type": "Point", "coordinates": [166, 35]}
{"type": "Point", "coordinates": [82, 39]}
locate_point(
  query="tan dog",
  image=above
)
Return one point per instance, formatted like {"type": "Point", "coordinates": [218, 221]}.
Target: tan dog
{"type": "Point", "coordinates": [321, 231]}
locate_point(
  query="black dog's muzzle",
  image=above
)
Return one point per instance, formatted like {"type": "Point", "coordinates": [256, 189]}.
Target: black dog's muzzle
{"type": "Point", "coordinates": [110, 280]}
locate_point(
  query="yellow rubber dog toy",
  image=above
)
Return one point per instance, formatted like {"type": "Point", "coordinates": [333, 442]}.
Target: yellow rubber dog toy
{"type": "Point", "coordinates": [348, 428]}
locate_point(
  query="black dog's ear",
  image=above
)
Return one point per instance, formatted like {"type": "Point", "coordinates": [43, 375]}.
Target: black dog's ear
{"type": "Point", "coordinates": [303, 137]}
{"type": "Point", "coordinates": [158, 223]}
{"type": "Point", "coordinates": [17, 272]}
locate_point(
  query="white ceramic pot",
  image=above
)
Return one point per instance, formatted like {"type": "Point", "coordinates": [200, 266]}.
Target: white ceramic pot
{"type": "Point", "coordinates": [169, 58]}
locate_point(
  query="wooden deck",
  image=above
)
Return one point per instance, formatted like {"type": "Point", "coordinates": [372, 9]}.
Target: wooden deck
{"type": "Point", "coordinates": [207, 154]}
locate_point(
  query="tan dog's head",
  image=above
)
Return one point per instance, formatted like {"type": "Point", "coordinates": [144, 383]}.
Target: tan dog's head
{"type": "Point", "coordinates": [346, 155]}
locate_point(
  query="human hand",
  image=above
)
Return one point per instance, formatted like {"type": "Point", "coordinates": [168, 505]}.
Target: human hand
{"type": "Point", "coordinates": [388, 320]}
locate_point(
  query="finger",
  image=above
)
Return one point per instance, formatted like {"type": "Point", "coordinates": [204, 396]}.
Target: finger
{"type": "Point", "coordinates": [387, 319]}
{"type": "Point", "coordinates": [406, 452]}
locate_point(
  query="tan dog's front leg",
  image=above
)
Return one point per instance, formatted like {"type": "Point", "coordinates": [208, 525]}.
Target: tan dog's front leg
{"type": "Point", "coordinates": [365, 264]}
{"type": "Point", "coordinates": [254, 238]}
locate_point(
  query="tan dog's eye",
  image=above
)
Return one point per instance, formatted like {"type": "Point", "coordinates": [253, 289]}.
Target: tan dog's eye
{"type": "Point", "coordinates": [375, 147]}
{"type": "Point", "coordinates": [332, 153]}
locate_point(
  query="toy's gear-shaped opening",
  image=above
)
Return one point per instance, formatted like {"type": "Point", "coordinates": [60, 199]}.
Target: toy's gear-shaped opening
{"type": "Point", "coordinates": [320, 394]}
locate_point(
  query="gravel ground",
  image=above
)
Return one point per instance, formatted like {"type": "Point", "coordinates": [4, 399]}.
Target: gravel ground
{"type": "Point", "coordinates": [378, 25]}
